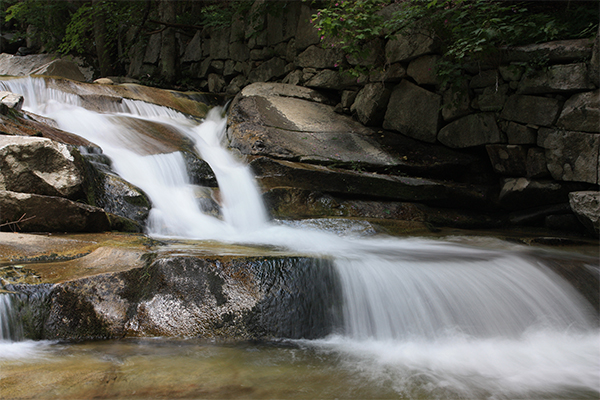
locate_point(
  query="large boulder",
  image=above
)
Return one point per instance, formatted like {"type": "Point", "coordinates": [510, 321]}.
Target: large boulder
{"type": "Point", "coordinates": [586, 206]}
{"type": "Point", "coordinates": [594, 65]}
{"type": "Point", "coordinates": [61, 68]}
{"type": "Point", "coordinates": [295, 203]}
{"type": "Point", "coordinates": [117, 196]}
{"type": "Point", "coordinates": [371, 103]}
{"type": "Point", "coordinates": [40, 166]}
{"type": "Point", "coordinates": [224, 297]}
{"type": "Point", "coordinates": [151, 137]}
{"type": "Point", "coordinates": [390, 217]}
{"type": "Point", "coordinates": [424, 70]}
{"type": "Point", "coordinates": [29, 124]}
{"type": "Point", "coordinates": [472, 130]}
{"type": "Point", "coordinates": [28, 212]}
{"type": "Point", "coordinates": [405, 46]}
{"type": "Point", "coordinates": [560, 51]}
{"type": "Point", "coordinates": [9, 100]}
{"type": "Point", "coordinates": [330, 79]}
{"type": "Point", "coordinates": [271, 173]}
{"type": "Point", "coordinates": [273, 68]}
{"type": "Point", "coordinates": [277, 120]}
{"type": "Point", "coordinates": [40, 64]}
{"type": "Point", "coordinates": [457, 101]}
{"type": "Point", "coordinates": [219, 42]}
{"type": "Point", "coordinates": [306, 32]}
{"type": "Point", "coordinates": [581, 113]}
{"type": "Point", "coordinates": [318, 57]}
{"type": "Point", "coordinates": [571, 156]}
{"type": "Point", "coordinates": [193, 51]}
{"type": "Point", "coordinates": [557, 79]}
{"type": "Point", "coordinates": [541, 111]}
{"type": "Point", "coordinates": [353, 184]}
{"type": "Point", "coordinates": [22, 65]}
{"type": "Point", "coordinates": [414, 112]}
{"type": "Point", "coordinates": [55, 168]}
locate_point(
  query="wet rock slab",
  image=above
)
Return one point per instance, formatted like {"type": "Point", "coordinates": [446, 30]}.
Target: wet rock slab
{"type": "Point", "coordinates": [106, 288]}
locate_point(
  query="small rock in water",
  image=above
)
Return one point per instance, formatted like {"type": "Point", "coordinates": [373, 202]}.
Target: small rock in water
{"type": "Point", "coordinates": [338, 226]}
{"type": "Point", "coordinates": [104, 81]}
{"type": "Point", "coordinates": [11, 100]}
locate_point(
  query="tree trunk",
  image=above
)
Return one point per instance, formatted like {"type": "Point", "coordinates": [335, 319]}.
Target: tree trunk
{"type": "Point", "coordinates": [100, 34]}
{"type": "Point", "coordinates": [168, 50]}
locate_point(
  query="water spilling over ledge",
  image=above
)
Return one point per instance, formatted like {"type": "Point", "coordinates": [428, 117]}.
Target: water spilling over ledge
{"type": "Point", "coordinates": [414, 317]}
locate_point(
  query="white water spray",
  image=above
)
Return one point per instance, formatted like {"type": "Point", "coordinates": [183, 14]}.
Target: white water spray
{"type": "Point", "coordinates": [483, 323]}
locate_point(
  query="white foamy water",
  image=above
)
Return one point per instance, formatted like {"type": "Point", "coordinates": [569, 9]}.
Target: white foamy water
{"type": "Point", "coordinates": [431, 317]}
{"type": "Point", "coordinates": [23, 350]}
{"type": "Point", "coordinates": [539, 364]}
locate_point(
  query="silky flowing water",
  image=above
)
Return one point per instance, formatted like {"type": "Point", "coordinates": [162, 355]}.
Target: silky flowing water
{"type": "Point", "coordinates": [421, 318]}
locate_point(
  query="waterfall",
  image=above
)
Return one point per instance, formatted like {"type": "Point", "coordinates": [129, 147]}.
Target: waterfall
{"type": "Point", "coordinates": [502, 296]}
{"type": "Point", "coordinates": [10, 327]}
{"type": "Point", "coordinates": [432, 308]}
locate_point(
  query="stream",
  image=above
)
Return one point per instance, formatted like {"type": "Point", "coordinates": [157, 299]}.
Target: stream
{"type": "Point", "coordinates": [421, 319]}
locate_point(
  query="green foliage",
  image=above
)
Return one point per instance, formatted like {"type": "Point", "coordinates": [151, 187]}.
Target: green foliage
{"type": "Point", "coordinates": [78, 35]}
{"type": "Point", "coordinates": [216, 15]}
{"type": "Point", "coordinates": [468, 30]}
{"type": "Point", "coordinates": [117, 15]}
{"type": "Point", "coordinates": [349, 24]}
{"type": "Point", "coordinates": [49, 17]}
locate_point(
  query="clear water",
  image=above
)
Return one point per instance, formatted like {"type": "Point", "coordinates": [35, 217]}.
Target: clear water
{"type": "Point", "coordinates": [422, 318]}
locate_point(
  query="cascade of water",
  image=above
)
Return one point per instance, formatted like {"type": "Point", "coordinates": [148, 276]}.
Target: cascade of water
{"type": "Point", "coordinates": [10, 328]}
{"type": "Point", "coordinates": [395, 291]}
{"type": "Point", "coordinates": [503, 296]}
{"type": "Point", "coordinates": [386, 297]}
{"type": "Point", "coordinates": [243, 208]}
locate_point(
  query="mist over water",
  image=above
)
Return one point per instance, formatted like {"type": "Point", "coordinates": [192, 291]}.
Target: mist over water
{"type": "Point", "coordinates": [430, 318]}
